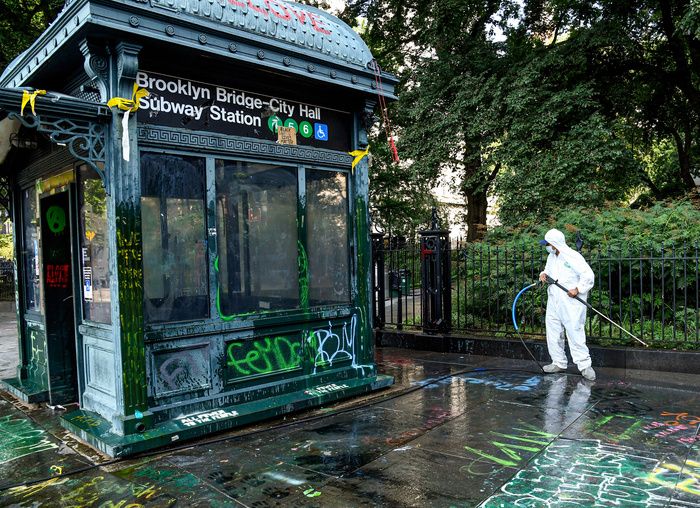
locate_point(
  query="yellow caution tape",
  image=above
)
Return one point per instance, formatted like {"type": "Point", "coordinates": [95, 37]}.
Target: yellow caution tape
{"type": "Point", "coordinates": [129, 104]}
{"type": "Point", "coordinates": [31, 99]}
{"type": "Point", "coordinates": [358, 156]}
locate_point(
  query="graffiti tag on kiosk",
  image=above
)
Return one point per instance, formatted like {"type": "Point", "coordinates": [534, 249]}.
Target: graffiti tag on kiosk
{"type": "Point", "coordinates": [325, 389]}
{"type": "Point", "coordinates": [213, 416]}
{"type": "Point", "coordinates": [263, 356]}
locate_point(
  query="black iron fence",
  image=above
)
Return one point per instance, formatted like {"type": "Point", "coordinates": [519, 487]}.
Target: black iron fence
{"type": "Point", "coordinates": [651, 291]}
{"type": "Point", "coordinates": [7, 284]}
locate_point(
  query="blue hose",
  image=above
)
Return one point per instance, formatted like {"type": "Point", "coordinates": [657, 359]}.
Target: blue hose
{"type": "Point", "coordinates": [515, 322]}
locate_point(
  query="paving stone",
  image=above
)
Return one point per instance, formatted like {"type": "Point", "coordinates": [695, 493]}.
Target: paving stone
{"type": "Point", "coordinates": [499, 434]}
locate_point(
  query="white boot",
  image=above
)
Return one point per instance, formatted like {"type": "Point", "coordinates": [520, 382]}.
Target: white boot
{"type": "Point", "coordinates": [588, 373]}
{"type": "Point", "coordinates": [552, 368]}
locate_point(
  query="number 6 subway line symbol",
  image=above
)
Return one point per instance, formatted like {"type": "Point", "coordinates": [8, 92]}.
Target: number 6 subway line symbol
{"type": "Point", "coordinates": [306, 129]}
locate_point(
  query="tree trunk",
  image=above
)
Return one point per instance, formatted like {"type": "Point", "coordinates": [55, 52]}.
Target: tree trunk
{"type": "Point", "coordinates": [683, 149]}
{"type": "Point", "coordinates": [477, 205]}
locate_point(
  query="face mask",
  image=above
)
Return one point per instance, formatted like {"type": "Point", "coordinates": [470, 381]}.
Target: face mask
{"type": "Point", "coordinates": [550, 249]}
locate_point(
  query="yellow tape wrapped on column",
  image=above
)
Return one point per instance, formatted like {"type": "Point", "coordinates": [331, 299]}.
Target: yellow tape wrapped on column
{"type": "Point", "coordinates": [30, 98]}
{"type": "Point", "coordinates": [358, 156]}
{"type": "Point", "coordinates": [128, 106]}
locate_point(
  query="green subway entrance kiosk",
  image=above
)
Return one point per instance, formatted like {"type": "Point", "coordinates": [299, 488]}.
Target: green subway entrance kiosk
{"type": "Point", "coordinates": [191, 233]}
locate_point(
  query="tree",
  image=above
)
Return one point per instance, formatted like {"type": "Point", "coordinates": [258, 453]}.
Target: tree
{"type": "Point", "coordinates": [558, 148]}
{"type": "Point", "coordinates": [449, 68]}
{"type": "Point", "coordinates": [644, 58]}
{"type": "Point", "coordinates": [21, 22]}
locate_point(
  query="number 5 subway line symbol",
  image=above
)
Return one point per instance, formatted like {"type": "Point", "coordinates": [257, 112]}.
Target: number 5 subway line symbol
{"type": "Point", "coordinates": [321, 131]}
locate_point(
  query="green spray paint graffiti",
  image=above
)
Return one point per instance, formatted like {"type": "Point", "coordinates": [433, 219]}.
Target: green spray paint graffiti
{"type": "Point", "coordinates": [303, 262]}
{"type": "Point", "coordinates": [20, 438]}
{"type": "Point", "coordinates": [38, 367]}
{"type": "Point", "coordinates": [56, 219]}
{"type": "Point", "coordinates": [223, 316]}
{"type": "Point", "coordinates": [130, 274]}
{"type": "Point", "coordinates": [263, 356]}
{"type": "Point", "coordinates": [229, 317]}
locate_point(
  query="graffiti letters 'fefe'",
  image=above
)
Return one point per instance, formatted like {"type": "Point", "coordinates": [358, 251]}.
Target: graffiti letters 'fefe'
{"type": "Point", "coordinates": [263, 356]}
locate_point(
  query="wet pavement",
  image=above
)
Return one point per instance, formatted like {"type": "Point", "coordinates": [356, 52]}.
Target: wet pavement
{"type": "Point", "coordinates": [454, 431]}
{"type": "Point", "coordinates": [8, 344]}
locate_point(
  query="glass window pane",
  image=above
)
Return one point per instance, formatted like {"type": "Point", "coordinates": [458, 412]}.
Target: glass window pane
{"type": "Point", "coordinates": [257, 237]}
{"type": "Point", "coordinates": [31, 249]}
{"type": "Point", "coordinates": [173, 226]}
{"type": "Point", "coordinates": [94, 247]}
{"type": "Point", "coordinates": [327, 237]}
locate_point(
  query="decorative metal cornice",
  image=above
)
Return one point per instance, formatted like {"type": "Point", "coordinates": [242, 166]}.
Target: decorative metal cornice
{"type": "Point", "coordinates": [80, 126]}
{"type": "Point", "coordinates": [6, 194]}
{"type": "Point", "coordinates": [86, 141]}
{"type": "Point", "coordinates": [237, 146]}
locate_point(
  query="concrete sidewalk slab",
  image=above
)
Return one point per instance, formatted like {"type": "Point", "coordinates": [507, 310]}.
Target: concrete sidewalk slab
{"type": "Point", "coordinates": [457, 430]}
{"type": "Point", "coordinates": [9, 355]}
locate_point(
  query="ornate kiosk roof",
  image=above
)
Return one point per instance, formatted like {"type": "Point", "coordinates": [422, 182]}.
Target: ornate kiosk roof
{"type": "Point", "coordinates": [284, 36]}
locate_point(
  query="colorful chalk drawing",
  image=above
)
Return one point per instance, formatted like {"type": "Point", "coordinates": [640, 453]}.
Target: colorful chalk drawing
{"type": "Point", "coordinates": [200, 418]}
{"type": "Point", "coordinates": [263, 356]}
{"type": "Point", "coordinates": [600, 428]}
{"type": "Point", "coordinates": [666, 474]}
{"type": "Point", "coordinates": [103, 491]}
{"type": "Point", "coordinates": [684, 434]}
{"type": "Point", "coordinates": [20, 438]}
{"type": "Point", "coordinates": [524, 386]}
{"type": "Point", "coordinates": [525, 438]}
{"type": "Point", "coordinates": [585, 473]}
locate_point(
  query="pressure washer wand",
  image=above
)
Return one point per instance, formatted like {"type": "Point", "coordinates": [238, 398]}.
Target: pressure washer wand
{"type": "Point", "coordinates": [556, 283]}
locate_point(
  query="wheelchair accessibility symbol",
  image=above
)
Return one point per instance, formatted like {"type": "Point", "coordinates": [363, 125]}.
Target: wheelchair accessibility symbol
{"type": "Point", "coordinates": [321, 131]}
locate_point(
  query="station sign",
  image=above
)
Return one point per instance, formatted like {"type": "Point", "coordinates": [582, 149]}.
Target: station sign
{"type": "Point", "coordinates": [192, 105]}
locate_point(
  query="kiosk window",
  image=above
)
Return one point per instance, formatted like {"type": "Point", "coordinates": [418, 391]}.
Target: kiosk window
{"type": "Point", "coordinates": [327, 237]}
{"type": "Point", "coordinates": [94, 247]}
{"type": "Point", "coordinates": [257, 237]}
{"type": "Point", "coordinates": [30, 249]}
{"type": "Point", "coordinates": [175, 275]}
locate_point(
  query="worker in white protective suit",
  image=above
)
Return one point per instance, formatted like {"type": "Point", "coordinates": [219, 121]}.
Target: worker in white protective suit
{"type": "Point", "coordinates": [564, 313]}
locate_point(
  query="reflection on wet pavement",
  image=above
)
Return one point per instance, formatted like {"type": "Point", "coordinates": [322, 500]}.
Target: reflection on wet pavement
{"type": "Point", "coordinates": [456, 430]}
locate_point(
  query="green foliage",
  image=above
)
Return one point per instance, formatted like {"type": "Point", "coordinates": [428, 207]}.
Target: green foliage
{"type": "Point", "coordinates": [6, 248]}
{"type": "Point", "coordinates": [561, 103]}
{"type": "Point", "coordinates": [649, 292]}
{"type": "Point", "coordinates": [21, 22]}
{"type": "Point", "coordinates": [611, 226]}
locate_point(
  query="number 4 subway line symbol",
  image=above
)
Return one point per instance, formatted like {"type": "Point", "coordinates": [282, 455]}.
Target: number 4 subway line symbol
{"type": "Point", "coordinates": [274, 123]}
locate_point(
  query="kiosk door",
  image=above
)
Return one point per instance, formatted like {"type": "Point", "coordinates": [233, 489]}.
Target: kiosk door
{"type": "Point", "coordinates": [59, 300]}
